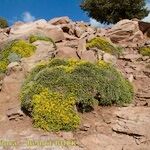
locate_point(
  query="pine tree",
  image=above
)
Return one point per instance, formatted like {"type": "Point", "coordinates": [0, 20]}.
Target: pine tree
{"type": "Point", "coordinates": [112, 11]}
{"type": "Point", "coordinates": [3, 23]}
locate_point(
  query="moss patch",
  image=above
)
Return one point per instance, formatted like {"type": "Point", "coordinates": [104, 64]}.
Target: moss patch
{"type": "Point", "coordinates": [145, 51]}
{"type": "Point", "coordinates": [104, 45]}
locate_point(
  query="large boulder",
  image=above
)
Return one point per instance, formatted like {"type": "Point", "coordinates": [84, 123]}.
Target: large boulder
{"type": "Point", "coordinates": [89, 56]}
{"type": "Point", "coordinates": [60, 20]}
{"type": "Point", "coordinates": [81, 46]}
{"type": "Point", "coordinates": [55, 33]}
{"type": "Point", "coordinates": [125, 31]}
{"type": "Point", "coordinates": [37, 27]}
{"type": "Point", "coordinates": [66, 52]}
{"type": "Point", "coordinates": [44, 51]}
{"type": "Point", "coordinates": [18, 29]}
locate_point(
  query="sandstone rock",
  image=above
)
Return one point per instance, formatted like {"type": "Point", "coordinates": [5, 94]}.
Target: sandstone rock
{"type": "Point", "coordinates": [126, 31]}
{"type": "Point", "coordinates": [84, 35]}
{"type": "Point", "coordinates": [71, 43]}
{"type": "Point", "coordinates": [131, 57]}
{"type": "Point", "coordinates": [147, 72]}
{"type": "Point", "coordinates": [81, 47]}
{"type": "Point", "coordinates": [101, 32]}
{"type": "Point", "coordinates": [66, 52]}
{"type": "Point", "coordinates": [55, 33]}
{"type": "Point", "coordinates": [67, 28]}
{"type": "Point", "coordinates": [90, 37]}
{"type": "Point", "coordinates": [79, 32]}
{"type": "Point", "coordinates": [60, 20]}
{"type": "Point", "coordinates": [28, 27]}
{"type": "Point", "coordinates": [40, 24]}
{"type": "Point", "coordinates": [13, 67]}
{"type": "Point", "coordinates": [145, 58]}
{"type": "Point", "coordinates": [11, 84]}
{"type": "Point", "coordinates": [69, 37]}
{"type": "Point", "coordinates": [133, 122]}
{"type": "Point", "coordinates": [144, 95]}
{"type": "Point", "coordinates": [45, 51]}
{"type": "Point", "coordinates": [89, 56]}
{"type": "Point", "coordinates": [85, 127]}
{"type": "Point", "coordinates": [15, 114]}
{"type": "Point", "coordinates": [131, 78]}
{"type": "Point", "coordinates": [91, 30]}
{"type": "Point", "coordinates": [147, 43]}
{"type": "Point", "coordinates": [109, 58]}
{"type": "Point", "coordinates": [128, 70]}
{"type": "Point", "coordinates": [37, 27]}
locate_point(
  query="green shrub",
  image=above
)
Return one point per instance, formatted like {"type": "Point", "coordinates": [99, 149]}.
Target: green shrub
{"type": "Point", "coordinates": [3, 66]}
{"type": "Point", "coordinates": [34, 38]}
{"type": "Point", "coordinates": [104, 45]}
{"type": "Point", "coordinates": [14, 51]}
{"type": "Point", "coordinates": [145, 51]}
{"type": "Point", "coordinates": [88, 82]}
{"type": "Point", "coordinates": [54, 112]}
{"type": "Point", "coordinates": [23, 48]}
{"type": "Point", "coordinates": [3, 23]}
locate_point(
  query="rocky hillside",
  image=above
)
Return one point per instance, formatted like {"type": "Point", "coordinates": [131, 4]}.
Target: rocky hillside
{"type": "Point", "coordinates": [125, 47]}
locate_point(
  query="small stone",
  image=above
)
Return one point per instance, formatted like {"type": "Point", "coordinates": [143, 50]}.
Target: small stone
{"type": "Point", "coordinates": [79, 31]}
{"type": "Point", "coordinates": [13, 67]}
{"type": "Point", "coordinates": [147, 72]}
{"type": "Point", "coordinates": [109, 58]}
{"type": "Point", "coordinates": [131, 78]}
{"type": "Point", "coordinates": [15, 114]}
{"type": "Point", "coordinates": [85, 127]}
{"type": "Point", "coordinates": [145, 58]}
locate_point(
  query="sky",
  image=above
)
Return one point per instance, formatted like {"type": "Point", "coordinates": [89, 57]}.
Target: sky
{"type": "Point", "coordinates": [30, 10]}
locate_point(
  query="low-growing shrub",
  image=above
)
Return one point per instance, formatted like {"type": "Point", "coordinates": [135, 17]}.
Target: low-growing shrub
{"type": "Point", "coordinates": [54, 112]}
{"type": "Point", "coordinates": [34, 38]}
{"type": "Point", "coordinates": [14, 51]}
{"type": "Point", "coordinates": [89, 83]}
{"type": "Point", "coordinates": [23, 48]}
{"type": "Point", "coordinates": [145, 51]}
{"type": "Point", "coordinates": [3, 66]}
{"type": "Point", "coordinates": [104, 45]}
